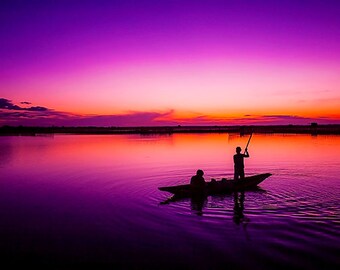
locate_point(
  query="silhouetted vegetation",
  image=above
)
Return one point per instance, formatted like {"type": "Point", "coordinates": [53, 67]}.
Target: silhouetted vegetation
{"type": "Point", "coordinates": [313, 129]}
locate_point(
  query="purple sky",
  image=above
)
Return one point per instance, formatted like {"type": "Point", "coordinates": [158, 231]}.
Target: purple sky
{"type": "Point", "coordinates": [170, 61]}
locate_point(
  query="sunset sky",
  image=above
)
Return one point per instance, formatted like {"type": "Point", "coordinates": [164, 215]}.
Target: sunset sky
{"type": "Point", "coordinates": [169, 62]}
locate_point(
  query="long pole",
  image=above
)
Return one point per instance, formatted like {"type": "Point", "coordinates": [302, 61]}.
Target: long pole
{"type": "Point", "coordinates": [251, 135]}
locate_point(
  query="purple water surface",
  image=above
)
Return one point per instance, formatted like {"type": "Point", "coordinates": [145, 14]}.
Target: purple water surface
{"type": "Point", "coordinates": [93, 200]}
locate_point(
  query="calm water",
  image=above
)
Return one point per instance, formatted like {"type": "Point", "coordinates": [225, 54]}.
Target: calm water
{"type": "Point", "coordinates": [88, 200]}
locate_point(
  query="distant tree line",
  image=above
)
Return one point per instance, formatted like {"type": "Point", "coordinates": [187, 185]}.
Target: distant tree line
{"type": "Point", "coordinates": [313, 129]}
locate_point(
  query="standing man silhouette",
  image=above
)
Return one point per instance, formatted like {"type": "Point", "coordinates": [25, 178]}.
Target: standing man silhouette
{"type": "Point", "coordinates": [239, 163]}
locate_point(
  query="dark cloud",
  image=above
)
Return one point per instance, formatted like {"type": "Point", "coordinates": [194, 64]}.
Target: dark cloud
{"type": "Point", "coordinates": [249, 119]}
{"type": "Point", "coordinates": [38, 116]}
{"type": "Point", "coordinates": [37, 109]}
{"type": "Point", "coordinates": [7, 104]}
{"type": "Point", "coordinates": [10, 115]}
{"type": "Point", "coordinates": [25, 102]}
{"type": "Point", "coordinates": [280, 120]}
{"type": "Point", "coordinates": [128, 119]}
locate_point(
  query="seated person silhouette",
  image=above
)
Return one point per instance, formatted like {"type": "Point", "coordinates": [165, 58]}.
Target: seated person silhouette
{"type": "Point", "coordinates": [197, 181]}
{"type": "Point", "coordinates": [239, 163]}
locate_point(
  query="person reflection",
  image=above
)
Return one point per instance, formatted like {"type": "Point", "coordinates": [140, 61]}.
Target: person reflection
{"type": "Point", "coordinates": [238, 216]}
{"type": "Point", "coordinates": [198, 202]}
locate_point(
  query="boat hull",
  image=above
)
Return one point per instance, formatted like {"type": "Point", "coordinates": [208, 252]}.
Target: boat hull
{"type": "Point", "coordinates": [217, 187]}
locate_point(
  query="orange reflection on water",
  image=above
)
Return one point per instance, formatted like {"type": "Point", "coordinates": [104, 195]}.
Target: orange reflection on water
{"type": "Point", "coordinates": [297, 147]}
{"type": "Point", "coordinates": [188, 152]}
{"type": "Point", "coordinates": [200, 148]}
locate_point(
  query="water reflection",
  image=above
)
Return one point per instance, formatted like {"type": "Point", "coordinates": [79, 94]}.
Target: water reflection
{"type": "Point", "coordinates": [238, 216]}
{"type": "Point", "coordinates": [81, 195]}
{"type": "Point", "coordinates": [6, 153]}
{"type": "Point", "coordinates": [199, 203]}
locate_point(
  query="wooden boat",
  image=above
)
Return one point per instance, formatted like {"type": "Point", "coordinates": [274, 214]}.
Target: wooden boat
{"type": "Point", "coordinates": [217, 187]}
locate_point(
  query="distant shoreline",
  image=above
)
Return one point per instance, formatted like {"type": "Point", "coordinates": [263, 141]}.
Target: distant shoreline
{"type": "Point", "coordinates": [313, 129]}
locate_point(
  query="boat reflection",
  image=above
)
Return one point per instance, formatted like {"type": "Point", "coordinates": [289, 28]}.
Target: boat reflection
{"type": "Point", "coordinates": [199, 202]}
